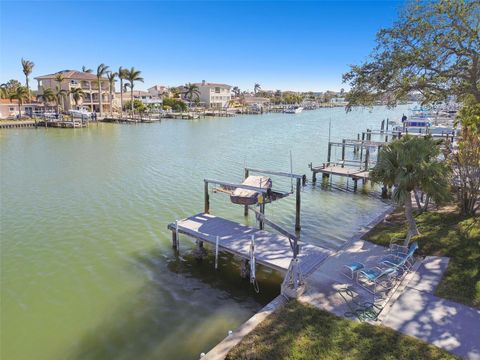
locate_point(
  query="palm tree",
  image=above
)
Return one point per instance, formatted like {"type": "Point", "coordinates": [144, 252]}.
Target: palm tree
{"type": "Point", "coordinates": [122, 74]}
{"type": "Point", "coordinates": [27, 66]}
{"type": "Point", "coordinates": [236, 91]}
{"type": "Point", "coordinates": [3, 91]}
{"type": "Point", "coordinates": [410, 164]}
{"type": "Point", "coordinates": [191, 91]}
{"type": "Point", "coordinates": [21, 94]}
{"type": "Point", "coordinates": [111, 80]}
{"type": "Point", "coordinates": [77, 94]}
{"type": "Point", "coordinates": [101, 71]}
{"type": "Point", "coordinates": [256, 88]}
{"type": "Point", "coordinates": [59, 78]}
{"type": "Point", "coordinates": [131, 76]}
{"type": "Point", "coordinates": [59, 96]}
{"type": "Point", "coordinates": [86, 70]}
{"type": "Point", "coordinates": [46, 96]}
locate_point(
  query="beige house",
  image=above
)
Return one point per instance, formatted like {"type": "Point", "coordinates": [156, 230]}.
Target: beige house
{"type": "Point", "coordinates": [214, 95]}
{"type": "Point", "coordinates": [9, 109]}
{"type": "Point", "coordinates": [86, 81]}
{"type": "Point", "coordinates": [145, 97]}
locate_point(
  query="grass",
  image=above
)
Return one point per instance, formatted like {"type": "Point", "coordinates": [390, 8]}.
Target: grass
{"type": "Point", "coordinates": [299, 331]}
{"type": "Point", "coordinates": [443, 233]}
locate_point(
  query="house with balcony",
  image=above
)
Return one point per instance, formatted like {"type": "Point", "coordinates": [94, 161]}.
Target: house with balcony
{"type": "Point", "coordinates": [214, 95]}
{"type": "Point", "coordinates": [86, 81]}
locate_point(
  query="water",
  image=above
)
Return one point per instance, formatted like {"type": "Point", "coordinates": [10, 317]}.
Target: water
{"type": "Point", "coordinates": [87, 269]}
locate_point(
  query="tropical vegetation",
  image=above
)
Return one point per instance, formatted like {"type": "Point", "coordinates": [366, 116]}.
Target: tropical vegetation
{"type": "Point", "coordinates": [27, 68]}
{"type": "Point", "coordinates": [136, 105]}
{"type": "Point", "coordinates": [21, 94]}
{"type": "Point", "coordinates": [132, 75]}
{"type": "Point", "coordinates": [433, 48]}
{"type": "Point", "coordinates": [191, 91]}
{"type": "Point", "coordinates": [111, 76]}
{"type": "Point", "coordinates": [410, 165]}
{"type": "Point", "coordinates": [174, 104]}
{"type": "Point", "coordinates": [77, 94]}
{"type": "Point", "coordinates": [102, 70]}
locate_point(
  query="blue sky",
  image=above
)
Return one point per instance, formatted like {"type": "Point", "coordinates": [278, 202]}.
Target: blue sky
{"type": "Point", "coordinates": [281, 45]}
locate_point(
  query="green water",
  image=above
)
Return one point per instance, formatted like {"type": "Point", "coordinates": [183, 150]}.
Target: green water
{"type": "Point", "coordinates": [87, 269]}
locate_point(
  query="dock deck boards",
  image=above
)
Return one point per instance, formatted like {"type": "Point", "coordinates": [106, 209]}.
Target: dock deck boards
{"type": "Point", "coordinates": [271, 250]}
{"type": "Point", "coordinates": [353, 173]}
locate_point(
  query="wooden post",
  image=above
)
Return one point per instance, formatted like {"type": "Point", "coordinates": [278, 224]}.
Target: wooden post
{"type": "Point", "coordinates": [367, 155]}
{"type": "Point", "coordinates": [378, 152]}
{"type": "Point", "coordinates": [262, 211]}
{"type": "Point", "coordinates": [207, 199]}
{"type": "Point", "coordinates": [245, 208]}
{"type": "Point", "coordinates": [174, 239]}
{"type": "Point", "coordinates": [343, 152]}
{"type": "Point", "coordinates": [314, 176]}
{"type": "Point", "coordinates": [369, 134]}
{"type": "Point", "coordinates": [297, 208]}
{"type": "Point", "coordinates": [361, 146]}
{"type": "Point", "coordinates": [382, 126]}
{"type": "Point", "coordinates": [329, 154]}
{"type": "Point", "coordinates": [355, 184]}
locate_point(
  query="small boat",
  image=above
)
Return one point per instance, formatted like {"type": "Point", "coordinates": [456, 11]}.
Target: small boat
{"type": "Point", "coordinates": [293, 110]}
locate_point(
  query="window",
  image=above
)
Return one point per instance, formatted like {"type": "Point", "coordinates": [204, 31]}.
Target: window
{"type": "Point", "coordinates": [217, 90]}
{"type": "Point", "coordinates": [11, 109]}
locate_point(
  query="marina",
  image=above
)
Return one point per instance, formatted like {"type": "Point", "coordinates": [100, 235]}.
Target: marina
{"type": "Point", "coordinates": [117, 224]}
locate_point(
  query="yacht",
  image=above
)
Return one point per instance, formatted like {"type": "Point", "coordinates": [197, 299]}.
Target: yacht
{"type": "Point", "coordinates": [293, 110]}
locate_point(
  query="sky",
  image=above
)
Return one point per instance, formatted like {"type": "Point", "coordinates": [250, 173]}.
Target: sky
{"type": "Point", "coordinates": [300, 46]}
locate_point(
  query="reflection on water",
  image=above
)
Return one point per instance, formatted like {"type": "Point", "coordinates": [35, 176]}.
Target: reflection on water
{"type": "Point", "coordinates": [87, 268]}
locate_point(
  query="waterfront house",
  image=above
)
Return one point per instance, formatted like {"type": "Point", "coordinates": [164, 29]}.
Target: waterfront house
{"type": "Point", "coordinates": [9, 108]}
{"type": "Point", "coordinates": [73, 79]}
{"type": "Point", "coordinates": [214, 95]}
{"type": "Point", "coordinates": [158, 90]}
{"type": "Point", "coordinates": [145, 97]}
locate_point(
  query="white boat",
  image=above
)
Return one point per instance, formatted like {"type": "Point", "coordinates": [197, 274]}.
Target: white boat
{"type": "Point", "coordinates": [293, 110]}
{"type": "Point", "coordinates": [82, 113]}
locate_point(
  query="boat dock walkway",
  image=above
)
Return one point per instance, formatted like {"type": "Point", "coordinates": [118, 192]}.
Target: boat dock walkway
{"type": "Point", "coordinates": [353, 173]}
{"type": "Point", "coordinates": [271, 250]}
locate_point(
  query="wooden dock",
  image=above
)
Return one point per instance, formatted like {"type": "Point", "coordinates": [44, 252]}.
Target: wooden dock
{"type": "Point", "coordinates": [271, 250]}
{"type": "Point", "coordinates": [353, 173]}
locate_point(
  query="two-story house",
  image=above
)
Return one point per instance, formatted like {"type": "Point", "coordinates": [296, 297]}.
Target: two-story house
{"type": "Point", "coordinates": [86, 81]}
{"type": "Point", "coordinates": [214, 95]}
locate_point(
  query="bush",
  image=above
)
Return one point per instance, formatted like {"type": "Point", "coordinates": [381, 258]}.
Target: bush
{"type": "Point", "coordinates": [138, 106]}
{"type": "Point", "coordinates": [174, 104]}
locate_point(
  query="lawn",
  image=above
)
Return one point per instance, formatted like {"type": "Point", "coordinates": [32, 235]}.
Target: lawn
{"type": "Point", "coordinates": [443, 233]}
{"type": "Point", "coordinates": [299, 331]}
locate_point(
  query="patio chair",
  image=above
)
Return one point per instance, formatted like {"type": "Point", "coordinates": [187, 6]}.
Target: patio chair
{"type": "Point", "coordinates": [402, 261]}
{"type": "Point", "coordinates": [396, 246]}
{"type": "Point", "coordinates": [371, 278]}
{"type": "Point", "coordinates": [363, 311]}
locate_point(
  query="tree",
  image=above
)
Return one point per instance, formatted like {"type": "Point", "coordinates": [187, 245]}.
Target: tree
{"type": "Point", "coordinates": [410, 164]}
{"type": "Point", "coordinates": [86, 70]}
{"type": "Point", "coordinates": [466, 160]}
{"type": "Point", "coordinates": [136, 104]}
{"type": "Point", "coordinates": [77, 94]}
{"type": "Point", "coordinates": [236, 91]}
{"type": "Point", "coordinates": [191, 91]}
{"type": "Point", "coordinates": [46, 96]}
{"type": "Point", "coordinates": [433, 48]}
{"type": "Point", "coordinates": [101, 71]}
{"type": "Point", "coordinates": [174, 104]}
{"type": "Point", "coordinates": [9, 87]}
{"type": "Point", "coordinates": [59, 96]}
{"type": "Point", "coordinates": [256, 88]}
{"type": "Point", "coordinates": [27, 67]}
{"type": "Point", "coordinates": [132, 75]}
{"type": "Point", "coordinates": [111, 81]}
{"type": "Point", "coordinates": [21, 94]}
{"type": "Point", "coordinates": [59, 77]}
{"type": "Point", "coordinates": [122, 74]}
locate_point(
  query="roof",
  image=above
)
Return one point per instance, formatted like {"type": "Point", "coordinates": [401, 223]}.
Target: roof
{"type": "Point", "coordinates": [212, 84]}
{"type": "Point", "coordinates": [15, 102]}
{"type": "Point", "coordinates": [71, 74]}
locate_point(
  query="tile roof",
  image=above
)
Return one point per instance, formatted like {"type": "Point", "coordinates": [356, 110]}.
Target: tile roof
{"type": "Point", "coordinates": [71, 74]}
{"type": "Point", "coordinates": [212, 84]}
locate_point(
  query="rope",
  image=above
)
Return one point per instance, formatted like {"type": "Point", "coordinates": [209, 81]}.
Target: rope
{"type": "Point", "coordinates": [253, 279]}
{"type": "Point", "coordinates": [216, 252]}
